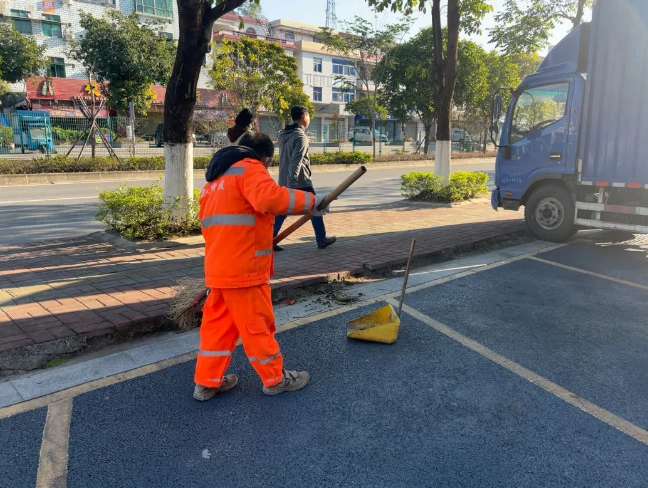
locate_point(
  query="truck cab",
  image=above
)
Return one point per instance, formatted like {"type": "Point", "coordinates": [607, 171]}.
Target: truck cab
{"type": "Point", "coordinates": [571, 142]}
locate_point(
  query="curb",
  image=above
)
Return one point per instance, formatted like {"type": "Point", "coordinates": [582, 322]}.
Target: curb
{"type": "Point", "coordinates": [28, 358]}
{"type": "Point", "coordinates": [93, 177]}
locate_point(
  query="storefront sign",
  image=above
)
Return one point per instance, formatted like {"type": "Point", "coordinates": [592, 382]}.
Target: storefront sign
{"type": "Point", "coordinates": [49, 6]}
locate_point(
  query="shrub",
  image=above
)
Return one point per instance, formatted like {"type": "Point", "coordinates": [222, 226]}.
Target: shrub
{"type": "Point", "coordinates": [428, 187]}
{"type": "Point", "coordinates": [352, 158]}
{"type": "Point", "coordinates": [60, 134]}
{"type": "Point", "coordinates": [139, 213]}
{"type": "Point", "coordinates": [6, 135]}
{"type": "Point", "coordinates": [62, 164]}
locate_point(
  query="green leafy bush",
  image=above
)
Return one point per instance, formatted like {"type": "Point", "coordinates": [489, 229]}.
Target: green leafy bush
{"type": "Point", "coordinates": [6, 135]}
{"type": "Point", "coordinates": [65, 135]}
{"type": "Point", "coordinates": [139, 213]}
{"type": "Point", "coordinates": [62, 164]}
{"type": "Point", "coordinates": [427, 187]}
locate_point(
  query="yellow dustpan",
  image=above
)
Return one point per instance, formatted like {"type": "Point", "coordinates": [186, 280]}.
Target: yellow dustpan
{"type": "Point", "coordinates": [382, 324]}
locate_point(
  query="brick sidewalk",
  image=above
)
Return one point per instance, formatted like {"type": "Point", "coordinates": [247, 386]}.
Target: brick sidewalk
{"type": "Point", "coordinates": [79, 287]}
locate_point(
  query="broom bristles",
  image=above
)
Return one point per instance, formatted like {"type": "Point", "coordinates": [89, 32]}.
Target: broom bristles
{"type": "Point", "coordinates": [186, 306]}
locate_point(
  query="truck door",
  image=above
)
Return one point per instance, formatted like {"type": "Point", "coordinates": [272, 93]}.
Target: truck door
{"type": "Point", "coordinates": [537, 136]}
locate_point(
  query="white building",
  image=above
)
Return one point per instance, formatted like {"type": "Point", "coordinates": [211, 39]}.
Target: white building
{"type": "Point", "coordinates": [318, 69]}
{"type": "Point", "coordinates": [55, 23]}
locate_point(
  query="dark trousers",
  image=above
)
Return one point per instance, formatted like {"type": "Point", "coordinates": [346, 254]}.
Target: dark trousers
{"type": "Point", "coordinates": [318, 223]}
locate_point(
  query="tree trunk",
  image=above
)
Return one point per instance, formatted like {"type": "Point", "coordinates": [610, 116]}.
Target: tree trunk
{"type": "Point", "coordinates": [443, 143]}
{"type": "Point", "coordinates": [373, 121]}
{"type": "Point", "coordinates": [426, 139]}
{"type": "Point", "coordinates": [446, 77]}
{"type": "Point", "coordinates": [196, 20]}
{"type": "Point", "coordinates": [580, 12]}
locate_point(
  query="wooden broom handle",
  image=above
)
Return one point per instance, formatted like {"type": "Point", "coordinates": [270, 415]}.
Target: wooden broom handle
{"type": "Point", "coordinates": [341, 188]}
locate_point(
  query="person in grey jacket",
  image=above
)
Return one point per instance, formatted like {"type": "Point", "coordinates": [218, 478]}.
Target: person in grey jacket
{"type": "Point", "coordinates": [295, 169]}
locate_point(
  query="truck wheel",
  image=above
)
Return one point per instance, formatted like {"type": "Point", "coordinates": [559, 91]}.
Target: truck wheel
{"type": "Point", "coordinates": [549, 214]}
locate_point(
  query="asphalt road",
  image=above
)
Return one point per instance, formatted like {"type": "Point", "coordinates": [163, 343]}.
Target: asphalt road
{"type": "Point", "coordinates": [531, 372]}
{"type": "Point", "coordinates": [34, 212]}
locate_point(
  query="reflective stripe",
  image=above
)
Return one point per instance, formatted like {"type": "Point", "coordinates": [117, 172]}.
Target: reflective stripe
{"type": "Point", "coordinates": [214, 353]}
{"type": "Point", "coordinates": [265, 361]}
{"type": "Point", "coordinates": [265, 252]}
{"type": "Point", "coordinates": [235, 171]}
{"type": "Point", "coordinates": [215, 380]}
{"type": "Point", "coordinates": [291, 201]}
{"type": "Point", "coordinates": [228, 219]}
{"type": "Point", "coordinates": [274, 381]}
{"type": "Point", "coordinates": [309, 198]}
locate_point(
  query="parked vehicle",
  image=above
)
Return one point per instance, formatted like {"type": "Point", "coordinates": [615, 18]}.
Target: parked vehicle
{"type": "Point", "coordinates": [363, 134]}
{"type": "Point", "coordinates": [571, 147]}
{"type": "Point", "coordinates": [159, 138]}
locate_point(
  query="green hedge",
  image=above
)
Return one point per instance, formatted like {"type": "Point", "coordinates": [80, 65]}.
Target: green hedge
{"type": "Point", "coordinates": [61, 164]}
{"type": "Point", "coordinates": [139, 213]}
{"type": "Point", "coordinates": [428, 187]}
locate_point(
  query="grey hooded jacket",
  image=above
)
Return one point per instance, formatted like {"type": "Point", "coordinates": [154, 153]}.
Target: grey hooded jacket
{"type": "Point", "coordinates": [294, 163]}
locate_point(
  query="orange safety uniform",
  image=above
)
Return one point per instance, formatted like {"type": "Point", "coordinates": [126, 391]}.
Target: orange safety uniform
{"type": "Point", "coordinates": [237, 213]}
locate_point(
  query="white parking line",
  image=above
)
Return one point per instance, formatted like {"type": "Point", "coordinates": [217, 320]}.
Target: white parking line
{"type": "Point", "coordinates": [590, 273]}
{"type": "Point", "coordinates": [586, 406]}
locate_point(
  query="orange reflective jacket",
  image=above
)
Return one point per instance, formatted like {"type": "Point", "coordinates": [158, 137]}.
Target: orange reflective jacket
{"type": "Point", "coordinates": [237, 214]}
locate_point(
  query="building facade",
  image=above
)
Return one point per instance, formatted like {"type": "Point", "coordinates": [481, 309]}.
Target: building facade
{"type": "Point", "coordinates": [319, 71]}
{"type": "Point", "coordinates": [55, 23]}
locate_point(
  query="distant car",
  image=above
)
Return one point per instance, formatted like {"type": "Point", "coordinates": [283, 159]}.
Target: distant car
{"type": "Point", "coordinates": [159, 136]}
{"type": "Point", "coordinates": [363, 134]}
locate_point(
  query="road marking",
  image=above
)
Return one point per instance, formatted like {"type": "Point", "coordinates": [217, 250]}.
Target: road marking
{"type": "Point", "coordinates": [74, 391]}
{"type": "Point", "coordinates": [590, 273]}
{"type": "Point", "coordinates": [13, 202]}
{"type": "Point", "coordinates": [53, 460]}
{"type": "Point", "coordinates": [586, 406]}
{"type": "Point", "coordinates": [485, 267]}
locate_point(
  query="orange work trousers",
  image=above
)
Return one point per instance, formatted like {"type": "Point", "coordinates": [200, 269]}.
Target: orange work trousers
{"type": "Point", "coordinates": [232, 313]}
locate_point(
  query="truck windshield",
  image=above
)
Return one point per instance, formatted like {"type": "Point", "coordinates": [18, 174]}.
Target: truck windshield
{"type": "Point", "coordinates": [537, 108]}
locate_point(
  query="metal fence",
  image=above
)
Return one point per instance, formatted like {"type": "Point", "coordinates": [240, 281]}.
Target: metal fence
{"type": "Point", "coordinates": [34, 134]}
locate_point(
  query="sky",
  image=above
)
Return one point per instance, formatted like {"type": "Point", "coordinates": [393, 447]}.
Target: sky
{"type": "Point", "coordinates": [314, 12]}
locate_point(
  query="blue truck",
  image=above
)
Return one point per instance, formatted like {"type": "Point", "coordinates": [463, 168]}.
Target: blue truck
{"type": "Point", "coordinates": [573, 146]}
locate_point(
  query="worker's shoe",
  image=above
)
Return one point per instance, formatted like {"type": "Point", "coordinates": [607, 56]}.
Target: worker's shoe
{"type": "Point", "coordinates": [328, 242]}
{"type": "Point", "coordinates": [293, 381]}
{"type": "Point", "coordinates": [277, 248]}
{"type": "Point", "coordinates": [204, 393]}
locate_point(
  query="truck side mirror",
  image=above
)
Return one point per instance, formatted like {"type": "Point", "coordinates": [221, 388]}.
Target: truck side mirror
{"type": "Point", "coordinates": [496, 113]}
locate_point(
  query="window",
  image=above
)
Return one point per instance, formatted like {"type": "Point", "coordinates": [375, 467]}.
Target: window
{"type": "Point", "coordinates": [251, 32]}
{"type": "Point", "coordinates": [538, 108]}
{"type": "Point", "coordinates": [168, 36]}
{"type": "Point", "coordinates": [290, 36]}
{"type": "Point", "coordinates": [21, 21]}
{"type": "Point", "coordinates": [57, 67]}
{"type": "Point", "coordinates": [160, 8]}
{"type": "Point", "coordinates": [343, 67]}
{"type": "Point", "coordinates": [317, 93]}
{"type": "Point", "coordinates": [341, 95]}
{"type": "Point", "coordinates": [317, 65]}
{"type": "Point", "coordinates": [315, 39]}
{"type": "Point", "coordinates": [52, 25]}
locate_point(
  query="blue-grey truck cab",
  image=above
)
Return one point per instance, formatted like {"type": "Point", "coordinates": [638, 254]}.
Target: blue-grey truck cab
{"type": "Point", "coordinates": [573, 144]}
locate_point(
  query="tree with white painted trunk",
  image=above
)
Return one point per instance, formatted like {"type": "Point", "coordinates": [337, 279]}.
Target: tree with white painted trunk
{"type": "Point", "coordinates": [465, 15]}
{"type": "Point", "coordinates": [196, 18]}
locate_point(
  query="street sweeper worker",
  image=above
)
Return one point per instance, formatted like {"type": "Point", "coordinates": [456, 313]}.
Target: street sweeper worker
{"type": "Point", "coordinates": [237, 209]}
